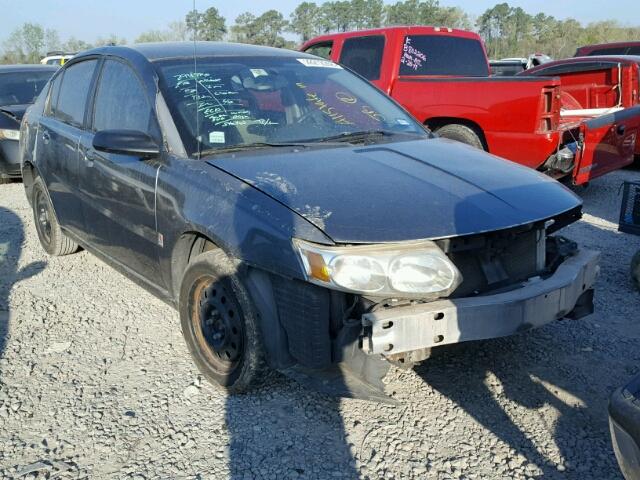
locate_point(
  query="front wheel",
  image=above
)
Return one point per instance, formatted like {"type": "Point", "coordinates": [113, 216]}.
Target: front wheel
{"type": "Point", "coordinates": [219, 323]}
{"type": "Point", "coordinates": [51, 236]}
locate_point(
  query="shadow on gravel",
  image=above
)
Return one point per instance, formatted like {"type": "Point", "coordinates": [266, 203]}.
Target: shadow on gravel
{"type": "Point", "coordinates": [276, 433]}
{"type": "Point", "coordinates": [463, 374]}
{"type": "Point", "coordinates": [11, 240]}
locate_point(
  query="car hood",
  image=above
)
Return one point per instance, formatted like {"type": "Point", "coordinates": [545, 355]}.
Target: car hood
{"type": "Point", "coordinates": [15, 112]}
{"type": "Point", "coordinates": [401, 191]}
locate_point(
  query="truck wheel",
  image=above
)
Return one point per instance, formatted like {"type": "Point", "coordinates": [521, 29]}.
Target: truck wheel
{"type": "Point", "coordinates": [635, 269]}
{"type": "Point", "coordinates": [219, 323]}
{"type": "Point", "coordinates": [461, 133]}
{"type": "Point", "coordinates": [51, 236]}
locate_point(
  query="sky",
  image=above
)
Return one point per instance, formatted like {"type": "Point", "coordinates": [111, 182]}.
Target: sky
{"type": "Point", "coordinates": [90, 19]}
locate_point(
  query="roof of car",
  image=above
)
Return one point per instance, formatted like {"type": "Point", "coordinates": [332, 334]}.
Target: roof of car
{"type": "Point", "coordinates": [625, 59]}
{"type": "Point", "coordinates": [166, 50]}
{"type": "Point", "coordinates": [27, 68]}
{"type": "Point", "coordinates": [594, 46]}
{"type": "Point", "coordinates": [594, 58]}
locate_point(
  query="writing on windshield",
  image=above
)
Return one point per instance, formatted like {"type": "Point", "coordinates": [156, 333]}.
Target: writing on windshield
{"type": "Point", "coordinates": [216, 101]}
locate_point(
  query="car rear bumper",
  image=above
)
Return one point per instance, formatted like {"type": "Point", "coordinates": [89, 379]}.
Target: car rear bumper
{"type": "Point", "coordinates": [9, 159]}
{"type": "Point", "coordinates": [624, 423]}
{"type": "Point", "coordinates": [393, 330]}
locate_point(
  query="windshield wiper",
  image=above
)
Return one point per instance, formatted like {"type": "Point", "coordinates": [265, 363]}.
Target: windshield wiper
{"type": "Point", "coordinates": [354, 136]}
{"type": "Point", "coordinates": [248, 146]}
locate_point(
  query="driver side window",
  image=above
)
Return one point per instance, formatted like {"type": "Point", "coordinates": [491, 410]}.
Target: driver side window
{"type": "Point", "coordinates": [121, 102]}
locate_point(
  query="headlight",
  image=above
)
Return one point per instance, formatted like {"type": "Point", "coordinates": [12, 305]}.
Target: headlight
{"type": "Point", "coordinates": [414, 270]}
{"type": "Point", "coordinates": [9, 134]}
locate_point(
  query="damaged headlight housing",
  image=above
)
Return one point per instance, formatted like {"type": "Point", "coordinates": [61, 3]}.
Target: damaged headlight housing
{"type": "Point", "coordinates": [411, 270]}
{"type": "Point", "coordinates": [6, 134]}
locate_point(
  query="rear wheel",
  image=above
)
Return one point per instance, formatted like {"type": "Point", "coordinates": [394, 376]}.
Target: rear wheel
{"type": "Point", "coordinates": [219, 323]}
{"type": "Point", "coordinates": [51, 236]}
{"type": "Point", "coordinates": [461, 133]}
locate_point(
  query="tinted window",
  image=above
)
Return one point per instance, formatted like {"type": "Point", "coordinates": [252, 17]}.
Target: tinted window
{"type": "Point", "coordinates": [506, 69]}
{"type": "Point", "coordinates": [363, 55]}
{"type": "Point", "coordinates": [321, 50]}
{"type": "Point", "coordinates": [121, 101]}
{"type": "Point", "coordinates": [75, 87]}
{"type": "Point", "coordinates": [443, 55]}
{"type": "Point", "coordinates": [609, 51]}
{"type": "Point", "coordinates": [22, 87]}
{"type": "Point", "coordinates": [54, 91]}
{"type": "Point", "coordinates": [634, 50]}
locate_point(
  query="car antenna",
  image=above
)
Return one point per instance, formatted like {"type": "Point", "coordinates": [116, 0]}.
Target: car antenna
{"type": "Point", "coordinates": [195, 76]}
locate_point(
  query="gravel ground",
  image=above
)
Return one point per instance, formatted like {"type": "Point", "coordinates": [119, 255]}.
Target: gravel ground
{"type": "Point", "coordinates": [96, 382]}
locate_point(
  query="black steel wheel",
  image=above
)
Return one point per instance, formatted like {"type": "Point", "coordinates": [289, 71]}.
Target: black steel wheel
{"type": "Point", "coordinates": [218, 323]}
{"type": "Point", "coordinates": [51, 236]}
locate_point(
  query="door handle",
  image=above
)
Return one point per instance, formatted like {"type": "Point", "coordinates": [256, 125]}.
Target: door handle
{"type": "Point", "coordinates": [46, 137]}
{"type": "Point", "coordinates": [620, 130]}
{"type": "Point", "coordinates": [88, 158]}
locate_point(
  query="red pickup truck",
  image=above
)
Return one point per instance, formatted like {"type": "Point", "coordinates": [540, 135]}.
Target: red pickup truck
{"type": "Point", "coordinates": [441, 76]}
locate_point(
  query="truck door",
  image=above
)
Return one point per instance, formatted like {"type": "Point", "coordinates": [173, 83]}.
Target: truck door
{"type": "Point", "coordinates": [608, 144]}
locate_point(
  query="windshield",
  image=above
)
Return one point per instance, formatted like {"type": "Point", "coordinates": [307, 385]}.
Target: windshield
{"type": "Point", "coordinates": [274, 100]}
{"type": "Point", "coordinates": [18, 88]}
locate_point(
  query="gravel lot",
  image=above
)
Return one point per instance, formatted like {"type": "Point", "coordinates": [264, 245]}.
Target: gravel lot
{"type": "Point", "coordinates": [96, 382]}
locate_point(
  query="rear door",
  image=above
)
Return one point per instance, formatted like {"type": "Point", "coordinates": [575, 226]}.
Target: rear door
{"type": "Point", "coordinates": [58, 135]}
{"type": "Point", "coordinates": [609, 144]}
{"type": "Point", "coordinates": [119, 190]}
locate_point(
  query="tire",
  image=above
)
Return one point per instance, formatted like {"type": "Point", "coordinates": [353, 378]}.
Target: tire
{"type": "Point", "coordinates": [51, 236]}
{"type": "Point", "coordinates": [461, 133]}
{"type": "Point", "coordinates": [219, 324]}
{"type": "Point", "coordinates": [635, 270]}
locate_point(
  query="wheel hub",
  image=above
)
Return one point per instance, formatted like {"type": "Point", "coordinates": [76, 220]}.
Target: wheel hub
{"type": "Point", "coordinates": [219, 321]}
{"type": "Point", "coordinates": [43, 217]}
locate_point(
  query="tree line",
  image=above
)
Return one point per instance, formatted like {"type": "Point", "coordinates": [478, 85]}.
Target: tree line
{"type": "Point", "coordinates": [507, 31]}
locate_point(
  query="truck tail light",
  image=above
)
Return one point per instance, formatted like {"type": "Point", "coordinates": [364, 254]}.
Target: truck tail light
{"type": "Point", "coordinates": [550, 112]}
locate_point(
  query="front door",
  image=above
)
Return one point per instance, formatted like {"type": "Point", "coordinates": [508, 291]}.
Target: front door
{"type": "Point", "coordinates": [119, 190]}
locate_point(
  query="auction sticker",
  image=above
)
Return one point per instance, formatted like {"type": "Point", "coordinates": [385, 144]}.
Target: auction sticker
{"type": "Point", "coordinates": [216, 137]}
{"type": "Point", "coordinates": [318, 62]}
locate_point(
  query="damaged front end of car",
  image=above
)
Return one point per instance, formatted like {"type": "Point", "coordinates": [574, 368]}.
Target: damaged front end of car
{"type": "Point", "coordinates": [364, 308]}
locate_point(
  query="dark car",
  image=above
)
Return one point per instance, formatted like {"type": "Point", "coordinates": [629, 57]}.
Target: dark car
{"type": "Point", "coordinates": [19, 87]}
{"type": "Point", "coordinates": [624, 422]}
{"type": "Point", "coordinates": [293, 214]}
{"type": "Point", "coordinates": [613, 48]}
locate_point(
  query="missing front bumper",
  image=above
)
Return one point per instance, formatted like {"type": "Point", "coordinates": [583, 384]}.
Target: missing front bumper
{"type": "Point", "coordinates": [539, 301]}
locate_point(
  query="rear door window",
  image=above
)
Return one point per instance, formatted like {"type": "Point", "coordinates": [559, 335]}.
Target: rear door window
{"type": "Point", "coordinates": [363, 55]}
{"type": "Point", "coordinates": [121, 101]}
{"type": "Point", "coordinates": [443, 55]}
{"type": "Point", "coordinates": [72, 99]}
{"type": "Point", "coordinates": [321, 50]}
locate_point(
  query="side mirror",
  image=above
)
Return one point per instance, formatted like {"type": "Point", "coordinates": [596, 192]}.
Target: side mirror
{"type": "Point", "coordinates": [126, 142]}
